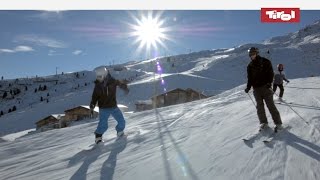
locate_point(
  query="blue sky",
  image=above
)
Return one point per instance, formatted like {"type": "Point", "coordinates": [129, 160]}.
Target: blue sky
{"type": "Point", "coordinates": [36, 42]}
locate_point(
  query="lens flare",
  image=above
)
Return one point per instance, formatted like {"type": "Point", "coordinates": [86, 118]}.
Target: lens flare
{"type": "Point", "coordinates": [149, 31]}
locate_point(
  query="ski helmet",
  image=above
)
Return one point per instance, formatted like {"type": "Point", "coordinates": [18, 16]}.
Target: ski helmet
{"type": "Point", "coordinates": [280, 67]}
{"type": "Point", "coordinates": [253, 50]}
{"type": "Point", "coordinates": [101, 73]}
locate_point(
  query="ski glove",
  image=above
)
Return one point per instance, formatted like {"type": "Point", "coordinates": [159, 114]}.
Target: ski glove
{"type": "Point", "coordinates": [247, 90]}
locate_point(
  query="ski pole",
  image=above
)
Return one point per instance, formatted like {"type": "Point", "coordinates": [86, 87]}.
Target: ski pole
{"type": "Point", "coordinates": [252, 100]}
{"type": "Point", "coordinates": [294, 111]}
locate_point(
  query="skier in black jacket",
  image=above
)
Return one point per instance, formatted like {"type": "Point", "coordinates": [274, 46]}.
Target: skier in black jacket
{"type": "Point", "coordinates": [260, 77]}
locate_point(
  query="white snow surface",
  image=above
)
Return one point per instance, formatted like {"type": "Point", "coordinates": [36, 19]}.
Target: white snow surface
{"type": "Point", "coordinates": [196, 140]}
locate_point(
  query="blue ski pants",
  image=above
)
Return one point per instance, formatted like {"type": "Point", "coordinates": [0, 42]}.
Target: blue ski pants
{"type": "Point", "coordinates": [104, 114]}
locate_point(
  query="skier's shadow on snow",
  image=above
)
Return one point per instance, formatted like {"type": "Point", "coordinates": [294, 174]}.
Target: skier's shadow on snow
{"type": "Point", "coordinates": [182, 156]}
{"type": "Point", "coordinates": [90, 156]}
{"type": "Point", "coordinates": [108, 167]}
{"type": "Point", "coordinates": [304, 146]}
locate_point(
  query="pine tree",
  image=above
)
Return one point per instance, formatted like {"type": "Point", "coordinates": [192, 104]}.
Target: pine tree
{"type": "Point", "coordinates": [5, 94]}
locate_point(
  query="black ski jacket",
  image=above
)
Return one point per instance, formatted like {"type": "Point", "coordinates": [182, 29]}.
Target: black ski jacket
{"type": "Point", "coordinates": [105, 93]}
{"type": "Point", "coordinates": [259, 72]}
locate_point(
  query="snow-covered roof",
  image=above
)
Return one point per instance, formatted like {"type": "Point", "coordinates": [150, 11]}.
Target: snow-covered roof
{"type": "Point", "coordinates": [122, 106]}
{"type": "Point", "coordinates": [144, 102]}
{"type": "Point", "coordinates": [96, 109]}
{"type": "Point", "coordinates": [177, 89]}
{"type": "Point", "coordinates": [85, 106]}
{"type": "Point", "coordinates": [57, 116]}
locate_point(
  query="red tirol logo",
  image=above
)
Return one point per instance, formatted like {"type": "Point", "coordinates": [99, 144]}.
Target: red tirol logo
{"type": "Point", "coordinates": [280, 15]}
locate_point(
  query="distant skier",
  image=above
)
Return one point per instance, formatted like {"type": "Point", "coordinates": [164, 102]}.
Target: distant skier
{"type": "Point", "coordinates": [260, 76]}
{"type": "Point", "coordinates": [278, 80]}
{"type": "Point", "coordinates": [105, 94]}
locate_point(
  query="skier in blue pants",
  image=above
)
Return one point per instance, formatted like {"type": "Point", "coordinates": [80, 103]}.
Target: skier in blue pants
{"type": "Point", "coordinates": [104, 94]}
{"type": "Point", "coordinates": [104, 114]}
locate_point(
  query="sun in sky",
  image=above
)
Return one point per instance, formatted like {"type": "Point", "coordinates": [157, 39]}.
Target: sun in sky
{"type": "Point", "coordinates": [149, 31]}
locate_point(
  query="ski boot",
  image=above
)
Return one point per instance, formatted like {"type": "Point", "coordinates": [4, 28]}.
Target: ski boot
{"type": "Point", "coordinates": [98, 138]}
{"type": "Point", "coordinates": [263, 126]}
{"type": "Point", "coordinates": [278, 127]}
{"type": "Point", "coordinates": [120, 134]}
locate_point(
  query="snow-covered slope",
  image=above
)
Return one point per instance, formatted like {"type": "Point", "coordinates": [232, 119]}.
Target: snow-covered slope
{"type": "Point", "coordinates": [198, 140]}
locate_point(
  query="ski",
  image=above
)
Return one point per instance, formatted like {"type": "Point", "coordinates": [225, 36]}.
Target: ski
{"type": "Point", "coordinates": [282, 101]}
{"type": "Point", "coordinates": [269, 139]}
{"type": "Point", "coordinates": [275, 135]}
{"type": "Point", "coordinates": [252, 136]}
{"type": "Point", "coordinates": [257, 135]}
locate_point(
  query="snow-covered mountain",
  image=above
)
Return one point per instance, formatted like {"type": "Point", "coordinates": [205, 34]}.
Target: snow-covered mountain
{"type": "Point", "coordinates": [197, 140]}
